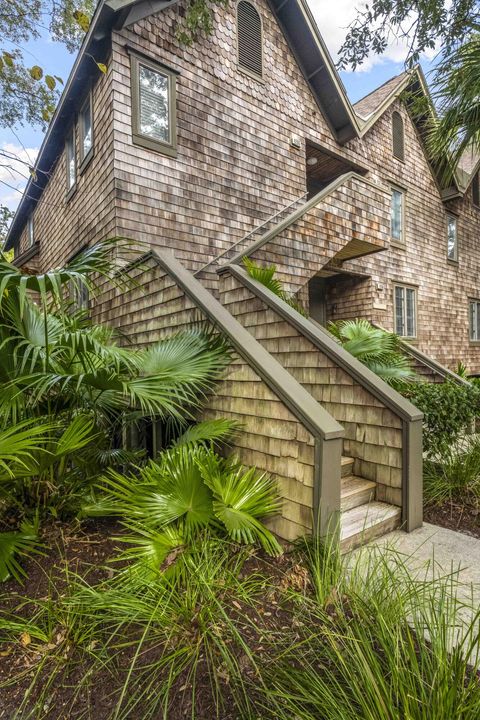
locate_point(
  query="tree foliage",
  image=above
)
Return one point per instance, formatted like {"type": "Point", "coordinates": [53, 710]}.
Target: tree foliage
{"type": "Point", "coordinates": [452, 27]}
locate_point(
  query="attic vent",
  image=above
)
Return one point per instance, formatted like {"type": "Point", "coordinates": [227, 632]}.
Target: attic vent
{"type": "Point", "coordinates": [398, 136]}
{"type": "Point", "coordinates": [476, 190]}
{"type": "Point", "coordinates": [249, 39]}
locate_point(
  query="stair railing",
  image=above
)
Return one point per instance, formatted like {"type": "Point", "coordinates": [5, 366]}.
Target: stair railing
{"type": "Point", "coordinates": [256, 229]}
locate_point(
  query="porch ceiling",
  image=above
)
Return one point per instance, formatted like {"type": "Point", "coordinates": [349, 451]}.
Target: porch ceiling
{"type": "Point", "coordinates": [324, 166]}
{"type": "Point", "coordinates": [356, 248]}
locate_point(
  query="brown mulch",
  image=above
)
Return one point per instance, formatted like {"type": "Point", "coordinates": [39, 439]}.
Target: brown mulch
{"type": "Point", "coordinates": [58, 693]}
{"type": "Point", "coordinates": [464, 518]}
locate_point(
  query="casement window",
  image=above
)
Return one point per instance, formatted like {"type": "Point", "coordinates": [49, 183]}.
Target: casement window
{"type": "Point", "coordinates": [85, 123]}
{"type": "Point", "coordinates": [79, 296]}
{"type": "Point", "coordinates": [475, 320]}
{"type": "Point", "coordinates": [452, 244]}
{"type": "Point", "coordinates": [249, 39]}
{"type": "Point", "coordinates": [405, 308]}
{"type": "Point", "coordinates": [397, 231]}
{"type": "Point", "coordinates": [30, 232]}
{"type": "Point", "coordinates": [476, 190]}
{"type": "Point", "coordinates": [71, 161]}
{"type": "Point", "coordinates": [154, 106]}
{"type": "Point", "coordinates": [398, 136]}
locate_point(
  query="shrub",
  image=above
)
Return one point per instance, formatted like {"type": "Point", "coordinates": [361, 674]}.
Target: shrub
{"type": "Point", "coordinates": [449, 410]}
{"type": "Point", "coordinates": [456, 478]}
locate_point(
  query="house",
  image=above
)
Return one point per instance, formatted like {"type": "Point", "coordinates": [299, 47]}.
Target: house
{"type": "Point", "coordinates": [245, 144]}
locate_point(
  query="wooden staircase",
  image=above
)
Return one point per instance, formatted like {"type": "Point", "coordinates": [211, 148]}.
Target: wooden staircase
{"type": "Point", "coordinates": [362, 517]}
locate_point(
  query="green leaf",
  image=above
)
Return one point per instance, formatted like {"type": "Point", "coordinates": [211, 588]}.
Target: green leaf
{"type": "Point", "coordinates": [8, 58]}
{"type": "Point", "coordinates": [50, 82]}
{"type": "Point", "coordinates": [103, 68]}
{"type": "Point", "coordinates": [36, 72]}
{"type": "Point", "coordinates": [12, 544]}
{"type": "Point", "coordinates": [82, 20]}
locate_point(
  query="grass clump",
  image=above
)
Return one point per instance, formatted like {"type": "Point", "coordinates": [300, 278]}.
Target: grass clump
{"type": "Point", "coordinates": [223, 632]}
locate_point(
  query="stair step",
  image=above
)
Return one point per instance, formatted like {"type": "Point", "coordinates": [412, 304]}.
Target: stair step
{"type": "Point", "coordinates": [347, 466]}
{"type": "Point", "coordinates": [356, 491]}
{"type": "Point", "coordinates": [366, 522]}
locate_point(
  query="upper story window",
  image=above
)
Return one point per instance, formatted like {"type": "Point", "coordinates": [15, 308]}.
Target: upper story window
{"type": "Point", "coordinates": [452, 247]}
{"type": "Point", "coordinates": [476, 190]}
{"type": "Point", "coordinates": [154, 105]}
{"type": "Point", "coordinates": [398, 136]}
{"type": "Point", "coordinates": [30, 232]}
{"type": "Point", "coordinates": [71, 161]}
{"type": "Point", "coordinates": [405, 307]}
{"type": "Point", "coordinates": [475, 320]}
{"type": "Point", "coordinates": [85, 122]}
{"type": "Point", "coordinates": [397, 232]}
{"type": "Point", "coordinates": [249, 39]}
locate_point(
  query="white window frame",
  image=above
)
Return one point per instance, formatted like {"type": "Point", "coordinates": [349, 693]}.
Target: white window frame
{"type": "Point", "coordinates": [453, 218]}
{"type": "Point", "coordinates": [398, 241]}
{"type": "Point", "coordinates": [473, 320]}
{"type": "Point", "coordinates": [143, 139]}
{"type": "Point", "coordinates": [85, 157]}
{"type": "Point", "coordinates": [405, 288]}
{"type": "Point", "coordinates": [30, 232]}
{"type": "Point", "coordinates": [71, 154]}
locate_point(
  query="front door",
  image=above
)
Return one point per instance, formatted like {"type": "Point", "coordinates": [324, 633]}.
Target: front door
{"type": "Point", "coordinates": [317, 298]}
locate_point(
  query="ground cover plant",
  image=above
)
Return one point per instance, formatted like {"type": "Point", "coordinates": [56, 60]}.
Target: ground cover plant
{"type": "Point", "coordinates": [227, 632]}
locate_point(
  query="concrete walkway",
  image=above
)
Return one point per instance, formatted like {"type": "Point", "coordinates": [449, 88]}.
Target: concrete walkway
{"type": "Point", "coordinates": [433, 551]}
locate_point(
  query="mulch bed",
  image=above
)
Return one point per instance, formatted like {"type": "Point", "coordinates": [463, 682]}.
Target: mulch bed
{"type": "Point", "coordinates": [461, 517]}
{"type": "Point", "coordinates": [86, 550]}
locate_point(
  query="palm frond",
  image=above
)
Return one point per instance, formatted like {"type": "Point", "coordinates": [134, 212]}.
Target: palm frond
{"type": "Point", "coordinates": [19, 444]}
{"type": "Point", "coordinates": [240, 498]}
{"type": "Point", "coordinates": [266, 276]}
{"type": "Point", "coordinates": [207, 432]}
{"type": "Point", "coordinates": [22, 543]}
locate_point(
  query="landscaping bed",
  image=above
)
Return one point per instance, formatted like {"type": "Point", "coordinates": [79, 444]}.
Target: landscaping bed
{"type": "Point", "coordinates": [224, 631]}
{"type": "Point", "coordinates": [455, 516]}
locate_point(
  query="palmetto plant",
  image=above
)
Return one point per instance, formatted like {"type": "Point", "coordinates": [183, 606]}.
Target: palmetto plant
{"type": "Point", "coordinates": [187, 490]}
{"type": "Point", "coordinates": [79, 387]}
{"type": "Point", "coordinates": [378, 349]}
{"type": "Point", "coordinates": [266, 276]}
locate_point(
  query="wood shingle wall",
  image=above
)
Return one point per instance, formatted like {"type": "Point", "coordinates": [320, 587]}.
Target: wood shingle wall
{"type": "Point", "coordinates": [373, 432]}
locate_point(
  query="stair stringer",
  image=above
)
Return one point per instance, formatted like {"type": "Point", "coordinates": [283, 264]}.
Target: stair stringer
{"type": "Point", "coordinates": [382, 429]}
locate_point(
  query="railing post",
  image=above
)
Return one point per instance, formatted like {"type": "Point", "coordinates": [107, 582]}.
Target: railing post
{"type": "Point", "coordinates": [327, 486]}
{"type": "Point", "coordinates": [412, 475]}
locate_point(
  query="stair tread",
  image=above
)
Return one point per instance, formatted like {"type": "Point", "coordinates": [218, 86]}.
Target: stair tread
{"type": "Point", "coordinates": [351, 484]}
{"type": "Point", "coordinates": [347, 460]}
{"type": "Point", "coordinates": [360, 519]}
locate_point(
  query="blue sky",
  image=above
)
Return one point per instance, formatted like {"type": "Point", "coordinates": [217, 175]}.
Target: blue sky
{"type": "Point", "coordinates": [55, 59]}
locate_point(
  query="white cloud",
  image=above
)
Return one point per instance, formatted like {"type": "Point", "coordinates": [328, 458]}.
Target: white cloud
{"type": "Point", "coordinates": [15, 161]}
{"type": "Point", "coordinates": [333, 21]}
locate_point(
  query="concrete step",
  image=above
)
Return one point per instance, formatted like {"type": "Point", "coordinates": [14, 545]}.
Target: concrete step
{"type": "Point", "coordinates": [365, 522]}
{"type": "Point", "coordinates": [347, 466]}
{"type": "Point", "coordinates": [356, 491]}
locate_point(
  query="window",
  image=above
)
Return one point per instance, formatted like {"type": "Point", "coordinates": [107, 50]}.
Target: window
{"type": "Point", "coordinates": [249, 39]}
{"type": "Point", "coordinates": [79, 296]}
{"type": "Point", "coordinates": [405, 302]}
{"type": "Point", "coordinates": [476, 190]}
{"type": "Point", "coordinates": [154, 106]}
{"type": "Point", "coordinates": [71, 161]}
{"type": "Point", "coordinates": [475, 320]}
{"type": "Point", "coordinates": [398, 138]}
{"type": "Point", "coordinates": [452, 250]}
{"type": "Point", "coordinates": [30, 232]}
{"type": "Point", "coordinates": [86, 131]}
{"type": "Point", "coordinates": [397, 211]}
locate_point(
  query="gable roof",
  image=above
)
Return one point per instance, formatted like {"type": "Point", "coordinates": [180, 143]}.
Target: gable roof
{"type": "Point", "coordinates": [371, 103]}
{"type": "Point", "coordinates": [300, 31]}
